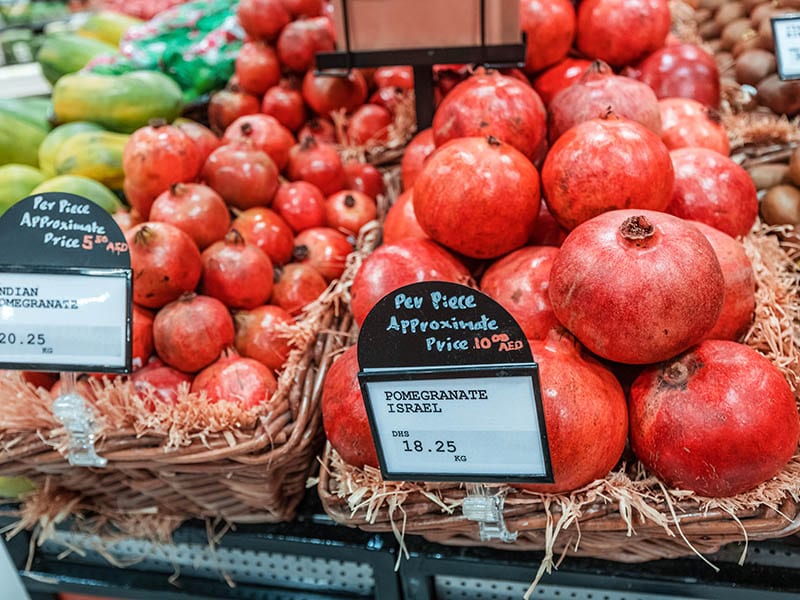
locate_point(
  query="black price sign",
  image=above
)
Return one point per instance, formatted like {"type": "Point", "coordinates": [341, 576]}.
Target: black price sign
{"type": "Point", "coordinates": [451, 389]}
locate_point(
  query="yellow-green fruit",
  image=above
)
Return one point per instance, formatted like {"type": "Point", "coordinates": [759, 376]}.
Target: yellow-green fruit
{"type": "Point", "coordinates": [64, 53]}
{"type": "Point", "coordinates": [17, 182]}
{"type": "Point", "coordinates": [23, 126]}
{"type": "Point", "coordinates": [14, 487]}
{"type": "Point", "coordinates": [51, 144]}
{"type": "Point", "coordinates": [94, 154]}
{"type": "Point", "coordinates": [107, 26]}
{"type": "Point", "coordinates": [82, 186]}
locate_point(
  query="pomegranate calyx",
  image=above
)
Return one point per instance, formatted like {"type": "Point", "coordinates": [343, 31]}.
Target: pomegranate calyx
{"type": "Point", "coordinates": [677, 374]}
{"type": "Point", "coordinates": [156, 123]}
{"type": "Point", "coordinates": [246, 128]}
{"type": "Point", "coordinates": [143, 236]}
{"type": "Point", "coordinates": [234, 237]}
{"type": "Point", "coordinates": [598, 67]}
{"type": "Point", "coordinates": [187, 296]}
{"type": "Point", "coordinates": [637, 228]}
{"type": "Point", "coordinates": [300, 252]}
{"type": "Point", "coordinates": [176, 189]}
{"type": "Point", "coordinates": [308, 142]}
{"type": "Point", "coordinates": [493, 141]}
{"type": "Point", "coordinates": [349, 201]}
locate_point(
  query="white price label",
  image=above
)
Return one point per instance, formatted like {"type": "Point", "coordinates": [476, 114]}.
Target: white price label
{"type": "Point", "coordinates": [481, 427]}
{"type": "Point", "coordinates": [63, 319]}
{"type": "Point", "coordinates": [786, 31]}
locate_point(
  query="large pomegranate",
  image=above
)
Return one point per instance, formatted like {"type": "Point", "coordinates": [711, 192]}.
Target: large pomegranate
{"type": "Point", "coordinates": [740, 285]}
{"type": "Point", "coordinates": [685, 123]}
{"type": "Point", "coordinates": [195, 209]}
{"type": "Point", "coordinates": [300, 41]}
{"type": "Point", "coordinates": [225, 106]}
{"type": "Point", "coordinates": [558, 77]}
{"type": "Point", "coordinates": [620, 32]}
{"type": "Point", "coordinates": [285, 104]}
{"type": "Point", "coordinates": [300, 204]}
{"type": "Point", "coordinates": [262, 334]}
{"type": "Point", "coordinates": [326, 93]}
{"type": "Point", "coordinates": [317, 163]}
{"type": "Point", "coordinates": [165, 263]}
{"type": "Point", "coordinates": [266, 133]}
{"type": "Point", "coordinates": [606, 164]}
{"type": "Point", "coordinates": [718, 420]}
{"type": "Point", "coordinates": [392, 266]}
{"type": "Point", "coordinates": [417, 152]}
{"type": "Point", "coordinates": [637, 286]}
{"type": "Point", "coordinates": [264, 228]}
{"type": "Point", "coordinates": [520, 282]}
{"type": "Point", "coordinates": [242, 380]}
{"type": "Point", "coordinates": [237, 273]}
{"type": "Point", "coordinates": [323, 248]}
{"type": "Point", "coordinates": [343, 414]}
{"type": "Point", "coordinates": [478, 196]}
{"type": "Point", "coordinates": [714, 190]}
{"type": "Point", "coordinates": [257, 67]}
{"type": "Point", "coordinates": [297, 286]}
{"type": "Point", "coordinates": [401, 221]}
{"type": "Point", "coordinates": [597, 92]}
{"type": "Point", "coordinates": [585, 413]}
{"type": "Point", "coordinates": [242, 174]}
{"type": "Point", "coordinates": [263, 19]}
{"type": "Point", "coordinates": [493, 104]}
{"type": "Point", "coordinates": [369, 124]}
{"type": "Point", "coordinates": [684, 71]}
{"type": "Point", "coordinates": [365, 178]}
{"type": "Point", "coordinates": [191, 332]}
{"type": "Point", "coordinates": [550, 27]}
{"type": "Point", "coordinates": [160, 380]}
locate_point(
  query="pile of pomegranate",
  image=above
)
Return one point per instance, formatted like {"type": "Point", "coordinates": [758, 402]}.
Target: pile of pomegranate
{"type": "Point", "coordinates": [593, 197]}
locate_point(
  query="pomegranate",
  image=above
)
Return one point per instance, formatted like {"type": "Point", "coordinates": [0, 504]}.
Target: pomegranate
{"type": "Point", "coordinates": [300, 41]}
{"type": "Point", "coordinates": [264, 228]}
{"type": "Point", "coordinates": [242, 174]}
{"type": "Point", "coordinates": [737, 271]}
{"type": "Point", "coordinates": [599, 91]}
{"type": "Point", "coordinates": [127, 219]}
{"type": "Point", "coordinates": [326, 93]}
{"type": "Point", "coordinates": [202, 136]}
{"type": "Point", "coordinates": [365, 178]}
{"type": "Point", "coordinates": [684, 71]}
{"type": "Point", "coordinates": [585, 413]}
{"type": "Point", "coordinates": [417, 152]}
{"type": "Point", "coordinates": [620, 32]}
{"type": "Point", "coordinates": [369, 124]}
{"type": "Point", "coordinates": [40, 379]}
{"type": "Point", "coordinates": [241, 380]}
{"type": "Point", "coordinates": [478, 196]}
{"type": "Point", "coordinates": [606, 164]}
{"type": "Point", "coordinates": [714, 190]}
{"type": "Point", "coordinates": [257, 67]}
{"type": "Point", "coordinates": [300, 204]}
{"type": "Point", "coordinates": [558, 77]}
{"type": "Point", "coordinates": [304, 8]}
{"type": "Point", "coordinates": [550, 27]}
{"type": "Point", "coordinates": [688, 124]}
{"type": "Point", "coordinates": [237, 273]}
{"type": "Point", "coordinates": [225, 106]}
{"type": "Point", "coordinates": [718, 420]}
{"type": "Point", "coordinates": [286, 105]}
{"type": "Point", "coordinates": [165, 263]}
{"type": "Point", "coordinates": [323, 248]}
{"type": "Point", "coordinates": [262, 334]}
{"type": "Point", "coordinates": [297, 286]}
{"type": "Point", "coordinates": [519, 282]}
{"type": "Point", "coordinates": [394, 265]}
{"type": "Point", "coordinates": [493, 104]}
{"type": "Point", "coordinates": [191, 332]}
{"type": "Point", "coordinates": [154, 158]}
{"type": "Point", "coordinates": [159, 380]}
{"type": "Point", "coordinates": [344, 417]}
{"type": "Point", "coordinates": [349, 210]}
{"type": "Point", "coordinates": [637, 286]}
{"type": "Point", "coordinates": [321, 131]}
{"type": "Point", "coordinates": [547, 231]}
{"type": "Point", "coordinates": [195, 209]}
{"type": "Point", "coordinates": [263, 19]}
{"type": "Point", "coordinates": [396, 77]}
{"type": "Point", "coordinates": [401, 221]}
{"type": "Point", "coordinates": [318, 164]}
{"type": "Point", "coordinates": [142, 336]}
{"type": "Point", "coordinates": [266, 134]}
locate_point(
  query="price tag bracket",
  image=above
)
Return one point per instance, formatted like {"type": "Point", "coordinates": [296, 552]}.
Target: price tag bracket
{"type": "Point", "coordinates": [786, 32]}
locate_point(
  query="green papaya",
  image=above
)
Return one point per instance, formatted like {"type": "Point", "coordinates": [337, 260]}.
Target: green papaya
{"type": "Point", "coordinates": [94, 154]}
{"type": "Point", "coordinates": [23, 126]}
{"type": "Point", "coordinates": [107, 26]}
{"type": "Point", "coordinates": [17, 182]}
{"type": "Point", "coordinates": [82, 186]}
{"type": "Point", "coordinates": [121, 103]}
{"type": "Point", "coordinates": [48, 149]}
{"type": "Point", "coordinates": [65, 53]}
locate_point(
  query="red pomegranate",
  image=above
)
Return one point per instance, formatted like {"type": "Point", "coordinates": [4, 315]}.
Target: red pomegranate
{"type": "Point", "coordinates": [520, 282]}
{"type": "Point", "coordinates": [257, 67]}
{"type": "Point", "coordinates": [401, 221]}
{"type": "Point", "coordinates": [165, 263]}
{"type": "Point", "coordinates": [686, 123]}
{"type": "Point", "coordinates": [195, 209]}
{"type": "Point", "coordinates": [547, 231]}
{"type": "Point", "coordinates": [142, 336]}
{"type": "Point", "coordinates": [365, 178]}
{"type": "Point", "coordinates": [714, 190]}
{"type": "Point", "coordinates": [369, 124]}
{"type": "Point", "coordinates": [266, 134]}
{"type": "Point", "coordinates": [550, 27]}
{"type": "Point", "coordinates": [637, 286]}
{"type": "Point", "coordinates": [392, 266]}
{"type": "Point", "coordinates": [740, 285]}
{"type": "Point", "coordinates": [349, 210]}
{"type": "Point", "coordinates": [321, 131]}
{"type": "Point", "coordinates": [343, 414]}
{"type": "Point", "coordinates": [286, 105]}
{"type": "Point", "coordinates": [606, 164]}
{"type": "Point", "coordinates": [323, 248]}
{"type": "Point", "coordinates": [205, 139]}
{"type": "Point", "coordinates": [717, 420]}
{"type": "Point", "coordinates": [585, 413]}
{"type": "Point", "coordinates": [127, 219]}
{"type": "Point", "coordinates": [242, 174]}
{"type": "Point", "coordinates": [415, 156]}
{"type": "Point", "coordinates": [682, 71]}
{"type": "Point", "coordinates": [304, 8]}
{"type": "Point", "coordinates": [158, 380]}
{"type": "Point", "coordinates": [300, 204]}
{"type": "Point", "coordinates": [300, 41]}
{"type": "Point", "coordinates": [318, 164]}
{"type": "Point", "coordinates": [264, 228]}
{"type": "Point", "coordinates": [297, 286]}
{"type": "Point", "coordinates": [620, 32]}
{"type": "Point", "coordinates": [397, 77]}
{"type": "Point", "coordinates": [326, 93]}
{"type": "Point", "coordinates": [478, 196]}
{"type": "Point", "coordinates": [241, 380]}
{"type": "Point", "coordinates": [262, 19]}
{"type": "Point", "coordinates": [154, 158]}
{"type": "Point", "coordinates": [225, 106]}
{"type": "Point", "coordinates": [191, 332]}
{"type": "Point", "coordinates": [237, 273]}
{"type": "Point", "coordinates": [597, 92]}
{"type": "Point", "coordinates": [493, 104]}
{"type": "Point", "coordinates": [558, 77]}
{"type": "Point", "coordinates": [40, 379]}
{"type": "Point", "coordinates": [263, 335]}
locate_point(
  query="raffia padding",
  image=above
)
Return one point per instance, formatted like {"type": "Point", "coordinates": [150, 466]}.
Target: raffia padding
{"type": "Point", "coordinates": [629, 516]}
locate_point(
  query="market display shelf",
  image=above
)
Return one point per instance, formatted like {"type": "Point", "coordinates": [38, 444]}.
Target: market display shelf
{"type": "Point", "coordinates": [22, 81]}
